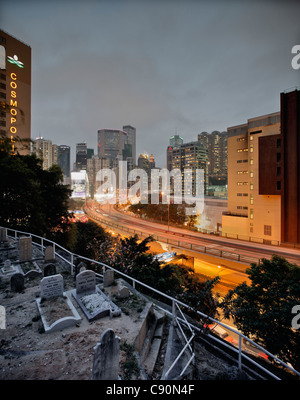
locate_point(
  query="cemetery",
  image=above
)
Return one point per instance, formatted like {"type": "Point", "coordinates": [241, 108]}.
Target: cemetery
{"type": "Point", "coordinates": [62, 325]}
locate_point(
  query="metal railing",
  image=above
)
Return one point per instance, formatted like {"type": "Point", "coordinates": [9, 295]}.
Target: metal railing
{"type": "Point", "coordinates": [176, 304]}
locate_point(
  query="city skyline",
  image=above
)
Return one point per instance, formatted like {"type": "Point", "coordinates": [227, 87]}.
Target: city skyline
{"type": "Point", "coordinates": [162, 67]}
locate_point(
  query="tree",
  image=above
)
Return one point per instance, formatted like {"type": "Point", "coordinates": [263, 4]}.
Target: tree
{"type": "Point", "coordinates": [262, 311]}
{"type": "Point", "coordinates": [31, 199]}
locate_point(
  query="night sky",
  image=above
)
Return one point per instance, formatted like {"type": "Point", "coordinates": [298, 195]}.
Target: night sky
{"type": "Point", "coordinates": [165, 66]}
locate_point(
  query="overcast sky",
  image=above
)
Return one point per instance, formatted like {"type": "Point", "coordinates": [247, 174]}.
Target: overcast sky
{"type": "Point", "coordinates": [165, 66]}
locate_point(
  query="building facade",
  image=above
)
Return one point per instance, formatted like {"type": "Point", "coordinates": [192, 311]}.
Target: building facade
{"type": "Point", "coordinates": [188, 156]}
{"type": "Point", "coordinates": [216, 145]}
{"type": "Point", "coordinates": [43, 149]}
{"type": "Point", "coordinates": [15, 92]}
{"type": "Point", "coordinates": [264, 175]}
{"type": "Point", "coordinates": [64, 161]}
{"type": "Point", "coordinates": [81, 156]}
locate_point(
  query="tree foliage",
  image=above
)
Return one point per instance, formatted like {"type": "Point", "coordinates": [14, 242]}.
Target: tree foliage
{"type": "Point", "coordinates": [263, 310]}
{"type": "Point", "coordinates": [31, 199]}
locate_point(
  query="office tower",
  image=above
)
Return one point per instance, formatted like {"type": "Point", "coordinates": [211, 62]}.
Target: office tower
{"type": "Point", "coordinates": [15, 91]}
{"type": "Point", "coordinates": [176, 141]}
{"type": "Point", "coordinates": [111, 144]}
{"type": "Point", "coordinates": [63, 160]}
{"type": "Point", "coordinates": [263, 176]}
{"type": "Point", "coordinates": [131, 146]}
{"type": "Point", "coordinates": [81, 156]}
{"type": "Point", "coordinates": [216, 145]}
{"type": "Point", "coordinates": [42, 148]}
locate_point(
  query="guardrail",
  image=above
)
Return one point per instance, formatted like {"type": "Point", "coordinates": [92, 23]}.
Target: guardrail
{"type": "Point", "coordinates": [176, 304]}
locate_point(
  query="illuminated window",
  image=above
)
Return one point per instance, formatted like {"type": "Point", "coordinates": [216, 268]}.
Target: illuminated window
{"type": "Point", "coordinates": [251, 161]}
{"type": "Point", "coordinates": [251, 213]}
{"type": "Point", "coordinates": [251, 199]}
{"type": "Point", "coordinates": [251, 173]}
{"type": "Point", "coordinates": [251, 186]}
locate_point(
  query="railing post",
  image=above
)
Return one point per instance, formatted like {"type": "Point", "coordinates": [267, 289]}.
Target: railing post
{"type": "Point", "coordinates": [240, 352]}
{"type": "Point", "coordinates": [174, 312]}
{"type": "Point", "coordinates": [72, 264]}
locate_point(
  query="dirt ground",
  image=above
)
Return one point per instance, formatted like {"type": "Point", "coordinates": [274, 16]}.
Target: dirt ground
{"type": "Point", "coordinates": [27, 352]}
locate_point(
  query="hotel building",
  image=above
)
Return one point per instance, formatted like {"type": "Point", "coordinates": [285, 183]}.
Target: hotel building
{"type": "Point", "coordinates": [15, 91]}
{"type": "Point", "coordinates": [264, 176]}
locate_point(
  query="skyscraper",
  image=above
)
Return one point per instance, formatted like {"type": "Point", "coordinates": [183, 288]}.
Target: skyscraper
{"type": "Point", "coordinates": [63, 160]}
{"type": "Point", "coordinates": [15, 91]}
{"type": "Point", "coordinates": [131, 143]}
{"type": "Point", "coordinates": [81, 156]}
{"type": "Point", "coordinates": [113, 144]}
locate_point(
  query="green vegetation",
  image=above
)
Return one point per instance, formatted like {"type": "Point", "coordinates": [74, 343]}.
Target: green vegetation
{"type": "Point", "coordinates": [262, 311]}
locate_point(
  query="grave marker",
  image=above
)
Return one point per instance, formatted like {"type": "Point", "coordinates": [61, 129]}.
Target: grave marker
{"type": "Point", "coordinates": [86, 282]}
{"type": "Point", "coordinates": [52, 286]}
{"type": "Point", "coordinates": [106, 357]}
{"type": "Point", "coordinates": [25, 248]}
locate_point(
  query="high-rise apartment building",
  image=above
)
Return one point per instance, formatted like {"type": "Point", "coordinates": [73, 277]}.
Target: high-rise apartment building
{"type": "Point", "coordinates": [43, 149]}
{"type": "Point", "coordinates": [15, 91]}
{"type": "Point", "coordinates": [264, 176]}
{"type": "Point", "coordinates": [188, 156]}
{"type": "Point", "coordinates": [216, 145]}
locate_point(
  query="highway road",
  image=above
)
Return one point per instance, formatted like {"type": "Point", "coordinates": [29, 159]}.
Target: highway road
{"type": "Point", "coordinates": [195, 241]}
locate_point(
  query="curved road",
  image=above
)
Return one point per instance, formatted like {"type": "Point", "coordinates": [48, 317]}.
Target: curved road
{"type": "Point", "coordinates": [211, 242]}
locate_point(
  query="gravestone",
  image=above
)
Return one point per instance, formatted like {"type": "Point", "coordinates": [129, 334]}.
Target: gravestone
{"type": "Point", "coordinates": [49, 254]}
{"type": "Point", "coordinates": [3, 234]}
{"type": "Point", "coordinates": [52, 286]}
{"type": "Point", "coordinates": [17, 282]}
{"type": "Point", "coordinates": [85, 282]}
{"type": "Point", "coordinates": [80, 267]}
{"type": "Point", "coordinates": [49, 269]}
{"type": "Point", "coordinates": [106, 357]}
{"type": "Point", "coordinates": [25, 248]}
{"type": "Point", "coordinates": [124, 293]}
{"type": "Point", "coordinates": [108, 278]}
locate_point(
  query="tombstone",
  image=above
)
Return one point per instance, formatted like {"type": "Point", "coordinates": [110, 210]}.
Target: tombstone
{"type": "Point", "coordinates": [49, 254]}
{"type": "Point", "coordinates": [17, 282]}
{"type": "Point", "coordinates": [106, 357]}
{"type": "Point", "coordinates": [80, 267]}
{"type": "Point", "coordinates": [25, 248]}
{"type": "Point", "coordinates": [49, 269]}
{"type": "Point", "coordinates": [52, 286]}
{"type": "Point", "coordinates": [86, 282]}
{"type": "Point", "coordinates": [124, 293]}
{"type": "Point", "coordinates": [3, 234]}
{"type": "Point", "coordinates": [108, 278]}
